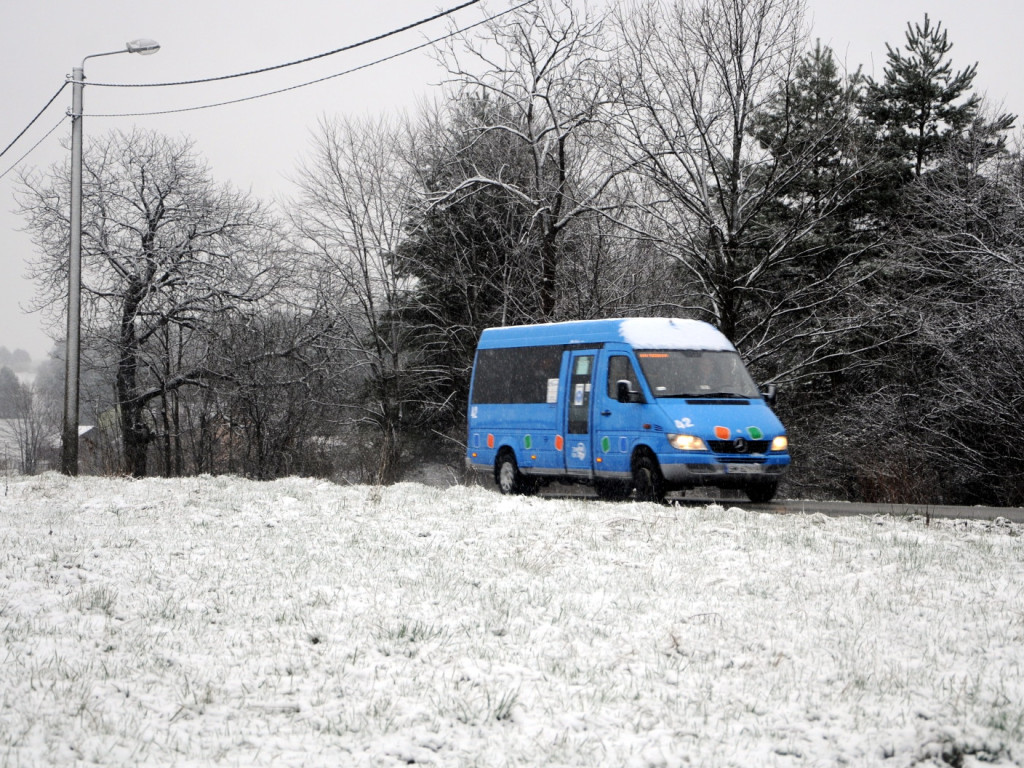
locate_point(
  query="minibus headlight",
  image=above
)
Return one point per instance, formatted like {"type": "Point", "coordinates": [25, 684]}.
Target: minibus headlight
{"type": "Point", "coordinates": [780, 443]}
{"type": "Point", "coordinates": [687, 442]}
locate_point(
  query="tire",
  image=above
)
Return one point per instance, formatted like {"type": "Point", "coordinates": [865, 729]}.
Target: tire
{"type": "Point", "coordinates": [612, 490]}
{"type": "Point", "coordinates": [761, 493]}
{"type": "Point", "coordinates": [508, 477]}
{"type": "Point", "coordinates": [648, 480]}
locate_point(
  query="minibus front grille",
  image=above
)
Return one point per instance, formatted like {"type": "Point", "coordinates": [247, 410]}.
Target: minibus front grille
{"type": "Point", "coordinates": [739, 446]}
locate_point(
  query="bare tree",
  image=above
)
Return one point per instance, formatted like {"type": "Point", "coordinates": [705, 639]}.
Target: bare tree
{"type": "Point", "coordinates": [166, 256]}
{"type": "Point", "coordinates": [693, 80]}
{"type": "Point", "coordinates": [356, 191]}
{"type": "Point", "coordinates": [26, 422]}
{"type": "Point", "coordinates": [958, 274]}
{"type": "Point", "coordinates": [267, 416]}
{"type": "Point", "coordinates": [542, 69]}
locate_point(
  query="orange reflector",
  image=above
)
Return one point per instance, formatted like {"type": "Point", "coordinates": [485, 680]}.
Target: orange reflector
{"type": "Point", "coordinates": [490, 441]}
{"type": "Point", "coordinates": [559, 442]}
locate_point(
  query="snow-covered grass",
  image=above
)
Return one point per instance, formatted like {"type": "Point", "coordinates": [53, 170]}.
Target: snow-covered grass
{"type": "Point", "coordinates": [217, 621]}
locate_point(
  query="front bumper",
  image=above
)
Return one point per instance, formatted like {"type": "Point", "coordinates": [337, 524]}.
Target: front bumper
{"type": "Point", "coordinates": [725, 471]}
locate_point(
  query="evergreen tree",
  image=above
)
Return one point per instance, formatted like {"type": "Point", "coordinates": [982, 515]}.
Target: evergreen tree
{"type": "Point", "coordinates": [921, 102]}
{"type": "Point", "coordinates": [827, 312]}
{"type": "Point", "coordinates": [471, 257]}
{"type": "Point", "coordinates": [810, 126]}
{"type": "Point", "coordinates": [935, 194]}
{"type": "Point", "coordinates": [957, 277]}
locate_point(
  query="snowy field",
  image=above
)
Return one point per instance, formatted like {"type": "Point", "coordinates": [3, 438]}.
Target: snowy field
{"type": "Point", "coordinates": [217, 621]}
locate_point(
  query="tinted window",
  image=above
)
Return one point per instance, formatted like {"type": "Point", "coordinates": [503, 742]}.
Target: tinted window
{"type": "Point", "coordinates": [515, 375]}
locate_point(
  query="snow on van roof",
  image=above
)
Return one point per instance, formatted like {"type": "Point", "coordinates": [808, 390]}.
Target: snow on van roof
{"type": "Point", "coordinates": [639, 332]}
{"type": "Point", "coordinates": [672, 333]}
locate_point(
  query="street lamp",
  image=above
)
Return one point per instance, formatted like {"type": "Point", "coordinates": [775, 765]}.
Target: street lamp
{"type": "Point", "coordinates": [72, 352]}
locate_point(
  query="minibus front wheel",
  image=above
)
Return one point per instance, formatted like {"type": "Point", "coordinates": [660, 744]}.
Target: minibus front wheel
{"type": "Point", "coordinates": [647, 478]}
{"type": "Point", "coordinates": [508, 477]}
{"type": "Point", "coordinates": [761, 493]}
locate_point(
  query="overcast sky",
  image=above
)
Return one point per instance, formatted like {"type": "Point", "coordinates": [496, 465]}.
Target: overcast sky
{"type": "Point", "coordinates": [257, 144]}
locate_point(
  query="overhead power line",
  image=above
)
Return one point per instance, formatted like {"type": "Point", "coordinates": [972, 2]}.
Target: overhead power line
{"type": "Point", "coordinates": [32, 149]}
{"type": "Point", "coordinates": [229, 102]}
{"type": "Point", "coordinates": [361, 43]}
{"type": "Point", "coordinates": [273, 67]}
{"type": "Point", "coordinates": [32, 121]}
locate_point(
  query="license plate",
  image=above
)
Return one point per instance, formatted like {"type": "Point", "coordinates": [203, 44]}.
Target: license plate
{"type": "Point", "coordinates": [743, 469]}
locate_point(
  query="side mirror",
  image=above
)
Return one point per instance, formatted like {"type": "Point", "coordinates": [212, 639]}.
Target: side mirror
{"type": "Point", "coordinates": [770, 395]}
{"type": "Point", "coordinates": [624, 392]}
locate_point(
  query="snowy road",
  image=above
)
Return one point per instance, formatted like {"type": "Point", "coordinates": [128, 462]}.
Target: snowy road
{"type": "Point", "coordinates": [848, 509]}
{"type": "Point", "coordinates": [830, 508]}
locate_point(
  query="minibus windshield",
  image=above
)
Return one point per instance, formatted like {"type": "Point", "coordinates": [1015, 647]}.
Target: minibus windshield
{"type": "Point", "coordinates": [696, 373]}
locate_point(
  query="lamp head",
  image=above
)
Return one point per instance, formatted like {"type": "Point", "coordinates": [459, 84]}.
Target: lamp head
{"type": "Point", "coordinates": [142, 45]}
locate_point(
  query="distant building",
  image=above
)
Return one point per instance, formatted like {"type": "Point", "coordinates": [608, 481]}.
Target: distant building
{"type": "Point", "coordinates": [48, 449]}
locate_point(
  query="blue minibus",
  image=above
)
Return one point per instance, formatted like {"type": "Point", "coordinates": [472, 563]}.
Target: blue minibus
{"type": "Point", "coordinates": [633, 405]}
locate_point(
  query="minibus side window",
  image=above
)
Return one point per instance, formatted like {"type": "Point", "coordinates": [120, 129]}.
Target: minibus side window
{"type": "Point", "coordinates": [515, 374]}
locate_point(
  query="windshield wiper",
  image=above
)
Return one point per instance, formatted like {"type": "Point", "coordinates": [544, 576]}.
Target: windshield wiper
{"type": "Point", "coordinates": [714, 395]}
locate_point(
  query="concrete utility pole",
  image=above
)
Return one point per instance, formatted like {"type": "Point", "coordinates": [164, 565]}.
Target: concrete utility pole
{"type": "Point", "coordinates": [72, 352]}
